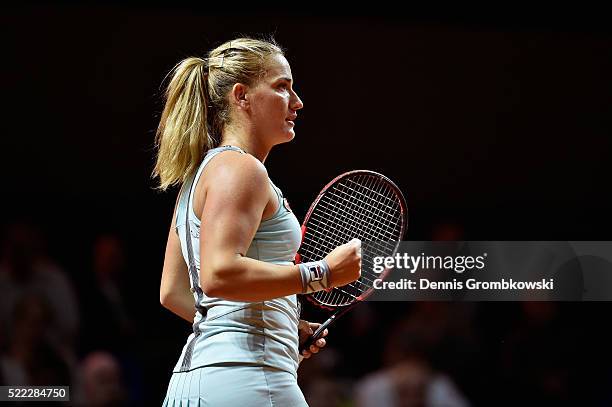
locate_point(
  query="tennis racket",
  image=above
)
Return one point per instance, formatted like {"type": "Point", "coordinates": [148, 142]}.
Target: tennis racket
{"type": "Point", "coordinates": [358, 204]}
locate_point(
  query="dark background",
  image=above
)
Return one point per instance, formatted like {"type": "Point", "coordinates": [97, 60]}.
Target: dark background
{"type": "Point", "coordinates": [495, 124]}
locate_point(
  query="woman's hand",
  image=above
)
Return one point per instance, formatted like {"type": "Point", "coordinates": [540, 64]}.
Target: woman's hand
{"type": "Point", "coordinates": [305, 330]}
{"type": "Point", "coordinates": [344, 263]}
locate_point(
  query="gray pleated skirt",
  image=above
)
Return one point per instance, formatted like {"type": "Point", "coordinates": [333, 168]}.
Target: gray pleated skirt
{"type": "Point", "coordinates": [234, 386]}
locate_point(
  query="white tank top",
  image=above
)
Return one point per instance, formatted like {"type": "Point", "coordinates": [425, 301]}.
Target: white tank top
{"type": "Point", "coordinates": [224, 331]}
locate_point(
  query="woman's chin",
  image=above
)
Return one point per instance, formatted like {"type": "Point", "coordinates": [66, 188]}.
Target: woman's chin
{"type": "Point", "coordinates": [290, 135]}
{"type": "Point", "coordinates": [284, 137]}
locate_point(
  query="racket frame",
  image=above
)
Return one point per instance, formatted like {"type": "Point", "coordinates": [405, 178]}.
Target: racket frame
{"type": "Point", "coordinates": [339, 311]}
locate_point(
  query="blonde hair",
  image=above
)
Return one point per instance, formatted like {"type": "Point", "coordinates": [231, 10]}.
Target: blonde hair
{"type": "Point", "coordinates": [197, 104]}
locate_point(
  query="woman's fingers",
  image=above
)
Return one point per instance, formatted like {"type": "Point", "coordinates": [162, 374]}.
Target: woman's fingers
{"type": "Point", "coordinates": [318, 344]}
{"type": "Point", "coordinates": [314, 326]}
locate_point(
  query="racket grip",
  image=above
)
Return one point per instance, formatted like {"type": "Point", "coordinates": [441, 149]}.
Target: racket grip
{"type": "Point", "coordinates": [316, 334]}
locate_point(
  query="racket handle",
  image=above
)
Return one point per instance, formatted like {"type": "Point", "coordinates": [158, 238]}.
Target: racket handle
{"type": "Point", "coordinates": [317, 334]}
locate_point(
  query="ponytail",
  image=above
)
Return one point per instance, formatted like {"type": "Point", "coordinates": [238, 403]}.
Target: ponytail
{"type": "Point", "coordinates": [182, 137]}
{"type": "Point", "coordinates": [197, 106]}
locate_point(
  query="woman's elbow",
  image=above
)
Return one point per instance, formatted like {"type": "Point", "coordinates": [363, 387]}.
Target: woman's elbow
{"type": "Point", "coordinates": [168, 296]}
{"type": "Point", "coordinates": [212, 291]}
{"type": "Point", "coordinates": [212, 286]}
{"type": "Point", "coordinates": [216, 280]}
{"type": "Point", "coordinates": [165, 298]}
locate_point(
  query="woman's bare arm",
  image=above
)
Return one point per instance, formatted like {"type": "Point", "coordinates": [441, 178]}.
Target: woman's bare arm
{"type": "Point", "coordinates": [232, 212]}
{"type": "Point", "coordinates": [174, 292]}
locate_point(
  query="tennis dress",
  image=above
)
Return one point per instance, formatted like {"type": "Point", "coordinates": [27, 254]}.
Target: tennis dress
{"type": "Point", "coordinates": [240, 353]}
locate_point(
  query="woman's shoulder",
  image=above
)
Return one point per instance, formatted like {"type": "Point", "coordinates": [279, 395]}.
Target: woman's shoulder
{"type": "Point", "coordinates": [232, 167]}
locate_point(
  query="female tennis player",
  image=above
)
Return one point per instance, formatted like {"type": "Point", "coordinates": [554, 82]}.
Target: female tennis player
{"type": "Point", "coordinates": [233, 239]}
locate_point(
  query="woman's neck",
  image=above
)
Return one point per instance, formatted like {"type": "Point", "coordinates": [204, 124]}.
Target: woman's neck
{"type": "Point", "coordinates": [246, 143]}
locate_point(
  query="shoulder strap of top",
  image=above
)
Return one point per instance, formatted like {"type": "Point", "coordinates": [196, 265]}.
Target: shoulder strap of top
{"type": "Point", "coordinates": [279, 197]}
{"type": "Point", "coordinates": [209, 156]}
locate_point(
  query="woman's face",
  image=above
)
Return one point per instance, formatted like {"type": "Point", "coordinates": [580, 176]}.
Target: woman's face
{"type": "Point", "coordinates": [274, 103]}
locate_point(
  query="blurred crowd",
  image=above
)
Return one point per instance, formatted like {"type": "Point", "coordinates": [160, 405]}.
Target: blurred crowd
{"type": "Point", "coordinates": [45, 338]}
{"type": "Point", "coordinates": [85, 328]}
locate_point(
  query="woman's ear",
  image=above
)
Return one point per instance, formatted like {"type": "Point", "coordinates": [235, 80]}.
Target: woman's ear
{"type": "Point", "coordinates": [239, 95]}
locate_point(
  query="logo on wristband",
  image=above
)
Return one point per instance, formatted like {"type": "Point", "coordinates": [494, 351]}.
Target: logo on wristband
{"type": "Point", "coordinates": [316, 274]}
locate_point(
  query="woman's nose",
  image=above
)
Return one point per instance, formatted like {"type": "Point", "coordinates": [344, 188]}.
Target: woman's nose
{"type": "Point", "coordinates": [297, 103]}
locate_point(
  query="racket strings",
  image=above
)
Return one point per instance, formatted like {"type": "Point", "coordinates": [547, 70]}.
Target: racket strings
{"type": "Point", "coordinates": [378, 222]}
{"type": "Point", "coordinates": [360, 206]}
{"type": "Point", "coordinates": [391, 208]}
{"type": "Point", "coordinates": [341, 234]}
{"type": "Point", "coordinates": [386, 218]}
{"type": "Point", "coordinates": [337, 238]}
{"type": "Point", "coordinates": [357, 212]}
{"type": "Point", "coordinates": [321, 249]}
{"type": "Point", "coordinates": [379, 218]}
{"type": "Point", "coordinates": [364, 219]}
{"type": "Point", "coordinates": [345, 223]}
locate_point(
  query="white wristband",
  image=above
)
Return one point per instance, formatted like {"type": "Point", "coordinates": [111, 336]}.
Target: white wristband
{"type": "Point", "coordinates": [315, 276]}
